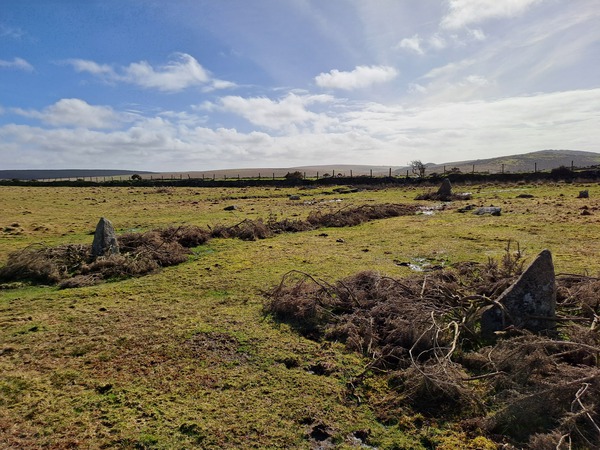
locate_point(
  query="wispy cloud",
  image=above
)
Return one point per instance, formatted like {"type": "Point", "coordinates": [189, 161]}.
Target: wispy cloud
{"type": "Point", "coordinates": [183, 71]}
{"type": "Point", "coordinates": [11, 32]}
{"type": "Point", "coordinates": [16, 63]}
{"type": "Point", "coordinates": [412, 44]}
{"type": "Point", "coordinates": [466, 12]}
{"type": "Point", "coordinates": [360, 77]}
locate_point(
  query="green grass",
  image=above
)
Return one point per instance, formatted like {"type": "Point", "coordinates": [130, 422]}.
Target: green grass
{"type": "Point", "coordinates": [185, 357]}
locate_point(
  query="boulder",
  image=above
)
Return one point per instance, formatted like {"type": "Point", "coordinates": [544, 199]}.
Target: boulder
{"type": "Point", "coordinates": [105, 239]}
{"type": "Point", "coordinates": [529, 303]}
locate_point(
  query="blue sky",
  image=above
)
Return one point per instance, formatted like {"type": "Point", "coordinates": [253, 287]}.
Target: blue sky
{"type": "Point", "coordinates": [197, 84]}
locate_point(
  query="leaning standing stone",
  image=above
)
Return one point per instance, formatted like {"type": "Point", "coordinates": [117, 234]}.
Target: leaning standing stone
{"type": "Point", "coordinates": [445, 190]}
{"type": "Point", "coordinates": [105, 239]}
{"type": "Point", "coordinates": [530, 303]}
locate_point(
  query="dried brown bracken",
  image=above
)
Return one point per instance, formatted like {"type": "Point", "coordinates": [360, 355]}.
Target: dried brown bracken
{"type": "Point", "coordinates": [422, 334]}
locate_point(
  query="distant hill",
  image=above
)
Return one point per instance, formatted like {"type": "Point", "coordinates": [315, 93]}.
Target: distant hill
{"type": "Point", "coordinates": [542, 160]}
{"type": "Point", "coordinates": [545, 160]}
{"type": "Point", "coordinates": [64, 173]}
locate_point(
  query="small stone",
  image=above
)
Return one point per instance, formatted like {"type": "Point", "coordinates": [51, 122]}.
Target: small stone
{"type": "Point", "coordinates": [493, 210]}
{"type": "Point", "coordinates": [105, 239]}
{"type": "Point", "coordinates": [584, 194]}
{"type": "Point", "coordinates": [294, 197]}
{"type": "Point", "coordinates": [529, 303]}
{"type": "Point", "coordinates": [230, 208]}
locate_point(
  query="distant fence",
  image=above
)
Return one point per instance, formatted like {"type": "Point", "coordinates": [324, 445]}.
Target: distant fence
{"type": "Point", "coordinates": [208, 179]}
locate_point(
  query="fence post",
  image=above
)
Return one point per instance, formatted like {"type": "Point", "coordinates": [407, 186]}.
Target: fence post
{"type": "Point", "coordinates": [317, 175]}
{"type": "Point", "coordinates": [473, 168]}
{"type": "Point", "coordinates": [371, 173]}
{"type": "Point", "coordinates": [273, 176]}
{"type": "Point", "coordinates": [350, 173]}
{"type": "Point", "coordinates": [502, 168]}
{"type": "Point", "coordinates": [535, 167]}
{"type": "Point", "coordinates": [390, 172]}
{"type": "Point", "coordinates": [333, 174]}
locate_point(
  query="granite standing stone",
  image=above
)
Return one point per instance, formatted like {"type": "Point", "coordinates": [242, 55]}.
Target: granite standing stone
{"type": "Point", "coordinates": [105, 239]}
{"type": "Point", "coordinates": [445, 190]}
{"type": "Point", "coordinates": [529, 303]}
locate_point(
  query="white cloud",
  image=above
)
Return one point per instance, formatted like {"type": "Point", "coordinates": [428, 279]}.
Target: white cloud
{"type": "Point", "coordinates": [412, 44]}
{"type": "Point", "coordinates": [477, 34]}
{"type": "Point", "coordinates": [438, 42]}
{"type": "Point", "coordinates": [73, 112]}
{"type": "Point", "coordinates": [16, 63]}
{"type": "Point", "coordinates": [181, 72]}
{"type": "Point", "coordinates": [360, 77]}
{"type": "Point", "coordinates": [465, 12]}
{"type": "Point", "coordinates": [178, 74]}
{"type": "Point", "coordinates": [83, 65]}
{"type": "Point", "coordinates": [288, 113]}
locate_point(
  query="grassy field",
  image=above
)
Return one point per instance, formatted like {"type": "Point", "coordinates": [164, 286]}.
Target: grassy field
{"type": "Point", "coordinates": [185, 358]}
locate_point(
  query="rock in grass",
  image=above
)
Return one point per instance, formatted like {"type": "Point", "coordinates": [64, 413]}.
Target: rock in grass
{"type": "Point", "coordinates": [529, 303]}
{"type": "Point", "coordinates": [105, 239]}
{"type": "Point", "coordinates": [493, 210]}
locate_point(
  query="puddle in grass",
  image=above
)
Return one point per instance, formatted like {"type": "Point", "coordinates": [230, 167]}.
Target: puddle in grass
{"type": "Point", "coordinates": [423, 264]}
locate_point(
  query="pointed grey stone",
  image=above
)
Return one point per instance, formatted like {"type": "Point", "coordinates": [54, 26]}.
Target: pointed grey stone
{"type": "Point", "coordinates": [445, 190]}
{"type": "Point", "coordinates": [105, 239]}
{"type": "Point", "coordinates": [529, 303]}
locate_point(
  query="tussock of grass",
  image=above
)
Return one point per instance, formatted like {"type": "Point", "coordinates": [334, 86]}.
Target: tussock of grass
{"type": "Point", "coordinates": [422, 334]}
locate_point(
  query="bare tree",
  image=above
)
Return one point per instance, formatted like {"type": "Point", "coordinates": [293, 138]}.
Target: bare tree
{"type": "Point", "coordinates": [418, 168]}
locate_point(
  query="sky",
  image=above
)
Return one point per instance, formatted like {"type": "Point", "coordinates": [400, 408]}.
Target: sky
{"type": "Point", "coordinates": [191, 85]}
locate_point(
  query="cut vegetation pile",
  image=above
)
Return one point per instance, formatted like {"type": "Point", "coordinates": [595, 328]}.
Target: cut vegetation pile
{"type": "Point", "coordinates": [251, 230]}
{"type": "Point", "coordinates": [73, 266]}
{"type": "Point", "coordinates": [142, 253]}
{"type": "Point", "coordinates": [428, 359]}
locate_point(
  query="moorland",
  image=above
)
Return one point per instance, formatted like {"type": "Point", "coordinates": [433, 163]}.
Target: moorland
{"type": "Point", "coordinates": [197, 355]}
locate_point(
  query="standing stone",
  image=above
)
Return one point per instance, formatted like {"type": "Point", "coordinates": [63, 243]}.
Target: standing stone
{"type": "Point", "coordinates": [445, 190]}
{"type": "Point", "coordinates": [105, 239]}
{"type": "Point", "coordinates": [584, 194]}
{"type": "Point", "coordinates": [529, 303]}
